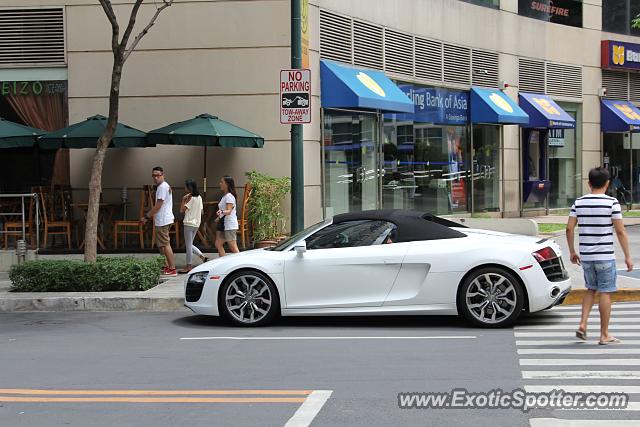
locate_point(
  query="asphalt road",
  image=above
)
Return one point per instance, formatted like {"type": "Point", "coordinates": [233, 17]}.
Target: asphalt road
{"type": "Point", "coordinates": [97, 369]}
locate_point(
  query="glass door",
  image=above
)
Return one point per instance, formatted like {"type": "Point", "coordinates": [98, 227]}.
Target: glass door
{"type": "Point", "coordinates": [351, 162]}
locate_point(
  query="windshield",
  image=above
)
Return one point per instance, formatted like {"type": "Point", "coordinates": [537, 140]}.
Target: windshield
{"type": "Point", "coordinates": [309, 230]}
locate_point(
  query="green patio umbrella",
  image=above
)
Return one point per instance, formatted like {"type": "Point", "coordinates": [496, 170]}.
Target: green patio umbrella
{"type": "Point", "coordinates": [85, 134]}
{"type": "Point", "coordinates": [15, 135]}
{"type": "Point", "coordinates": [205, 131]}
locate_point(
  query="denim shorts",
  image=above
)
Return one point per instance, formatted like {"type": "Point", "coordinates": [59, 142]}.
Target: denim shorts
{"type": "Point", "coordinates": [600, 275]}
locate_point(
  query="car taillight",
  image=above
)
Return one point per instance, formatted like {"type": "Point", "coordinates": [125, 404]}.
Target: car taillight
{"type": "Point", "coordinates": [544, 254]}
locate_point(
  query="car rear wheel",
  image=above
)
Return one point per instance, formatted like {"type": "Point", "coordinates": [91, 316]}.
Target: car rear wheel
{"type": "Point", "coordinates": [491, 297]}
{"type": "Point", "coordinates": [249, 298]}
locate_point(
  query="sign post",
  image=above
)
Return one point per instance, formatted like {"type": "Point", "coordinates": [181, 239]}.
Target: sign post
{"type": "Point", "coordinates": [297, 139]}
{"type": "Point", "coordinates": [295, 96]}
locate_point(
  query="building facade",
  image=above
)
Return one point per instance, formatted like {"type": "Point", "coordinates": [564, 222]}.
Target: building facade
{"type": "Point", "coordinates": [448, 156]}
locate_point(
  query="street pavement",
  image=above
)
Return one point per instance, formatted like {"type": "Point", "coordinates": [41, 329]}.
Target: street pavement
{"type": "Point", "coordinates": [174, 368]}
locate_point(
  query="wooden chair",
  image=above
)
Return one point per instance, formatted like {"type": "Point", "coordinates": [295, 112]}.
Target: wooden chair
{"type": "Point", "coordinates": [14, 228]}
{"type": "Point", "coordinates": [174, 230]}
{"type": "Point", "coordinates": [136, 227]}
{"type": "Point", "coordinates": [243, 221]}
{"type": "Point", "coordinates": [51, 224]}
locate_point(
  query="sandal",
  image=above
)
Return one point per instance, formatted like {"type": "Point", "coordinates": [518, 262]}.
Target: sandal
{"type": "Point", "coordinates": [613, 340]}
{"type": "Point", "coordinates": [581, 334]}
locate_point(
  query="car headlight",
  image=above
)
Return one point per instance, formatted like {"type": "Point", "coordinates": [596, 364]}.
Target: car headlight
{"type": "Point", "coordinates": [198, 278]}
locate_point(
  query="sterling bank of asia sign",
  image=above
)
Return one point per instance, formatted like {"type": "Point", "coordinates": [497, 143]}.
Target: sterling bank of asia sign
{"type": "Point", "coordinates": [620, 55]}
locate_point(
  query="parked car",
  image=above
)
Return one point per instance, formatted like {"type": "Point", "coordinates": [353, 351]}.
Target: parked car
{"type": "Point", "coordinates": [384, 262]}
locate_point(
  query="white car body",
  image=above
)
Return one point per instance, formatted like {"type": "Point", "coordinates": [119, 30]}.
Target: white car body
{"type": "Point", "coordinates": [415, 277]}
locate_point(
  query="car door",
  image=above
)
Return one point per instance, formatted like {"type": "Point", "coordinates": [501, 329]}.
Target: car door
{"type": "Point", "coordinates": [345, 265]}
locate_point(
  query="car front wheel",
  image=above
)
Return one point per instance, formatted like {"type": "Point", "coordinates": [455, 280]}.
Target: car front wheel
{"type": "Point", "coordinates": [249, 298]}
{"type": "Point", "coordinates": [491, 297]}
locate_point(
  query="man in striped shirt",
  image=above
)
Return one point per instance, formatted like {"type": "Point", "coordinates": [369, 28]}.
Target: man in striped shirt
{"type": "Point", "coordinates": [597, 215]}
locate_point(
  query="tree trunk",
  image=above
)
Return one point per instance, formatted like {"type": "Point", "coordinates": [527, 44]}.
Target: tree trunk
{"type": "Point", "coordinates": [95, 183]}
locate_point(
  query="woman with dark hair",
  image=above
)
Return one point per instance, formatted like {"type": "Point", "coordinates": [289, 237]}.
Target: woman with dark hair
{"type": "Point", "coordinates": [191, 206]}
{"type": "Point", "coordinates": [227, 220]}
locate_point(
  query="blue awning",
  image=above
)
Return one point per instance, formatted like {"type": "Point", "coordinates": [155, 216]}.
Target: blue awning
{"type": "Point", "coordinates": [343, 86]}
{"type": "Point", "coordinates": [619, 116]}
{"type": "Point", "coordinates": [493, 106]}
{"type": "Point", "coordinates": [544, 112]}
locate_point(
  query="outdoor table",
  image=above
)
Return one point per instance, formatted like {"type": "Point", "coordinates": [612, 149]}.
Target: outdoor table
{"type": "Point", "coordinates": [105, 216]}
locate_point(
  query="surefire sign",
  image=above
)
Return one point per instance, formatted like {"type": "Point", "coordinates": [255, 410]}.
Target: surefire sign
{"type": "Point", "coordinates": [295, 96]}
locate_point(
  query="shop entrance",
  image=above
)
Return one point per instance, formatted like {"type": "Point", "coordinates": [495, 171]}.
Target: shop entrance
{"type": "Point", "coordinates": [621, 156]}
{"type": "Point", "coordinates": [351, 162]}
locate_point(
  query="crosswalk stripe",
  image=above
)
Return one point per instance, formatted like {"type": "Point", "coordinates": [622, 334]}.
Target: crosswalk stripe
{"type": "Point", "coordinates": [549, 319]}
{"type": "Point", "coordinates": [579, 313]}
{"type": "Point", "coordinates": [615, 305]}
{"type": "Point", "coordinates": [579, 362]}
{"type": "Point", "coordinates": [555, 422]}
{"type": "Point", "coordinates": [544, 375]}
{"type": "Point", "coordinates": [568, 326]}
{"type": "Point", "coordinates": [574, 343]}
{"type": "Point", "coordinates": [566, 334]}
{"type": "Point", "coordinates": [608, 350]}
{"type": "Point", "coordinates": [629, 389]}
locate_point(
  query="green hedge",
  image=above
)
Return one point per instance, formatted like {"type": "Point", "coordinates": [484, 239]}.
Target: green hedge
{"type": "Point", "coordinates": [107, 274]}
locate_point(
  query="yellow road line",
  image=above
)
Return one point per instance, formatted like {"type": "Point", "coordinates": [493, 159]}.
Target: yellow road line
{"type": "Point", "coordinates": [38, 392]}
{"type": "Point", "coordinates": [152, 399]}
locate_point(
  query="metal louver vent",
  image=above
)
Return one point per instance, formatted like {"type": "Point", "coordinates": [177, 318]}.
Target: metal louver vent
{"type": "Point", "coordinates": [484, 68]}
{"type": "Point", "coordinates": [634, 87]}
{"type": "Point", "coordinates": [457, 64]}
{"type": "Point", "coordinates": [531, 76]}
{"type": "Point", "coordinates": [32, 36]}
{"type": "Point", "coordinates": [367, 45]}
{"type": "Point", "coordinates": [616, 83]}
{"type": "Point", "coordinates": [428, 59]}
{"type": "Point", "coordinates": [564, 80]}
{"type": "Point", "coordinates": [335, 37]}
{"type": "Point", "coordinates": [398, 52]}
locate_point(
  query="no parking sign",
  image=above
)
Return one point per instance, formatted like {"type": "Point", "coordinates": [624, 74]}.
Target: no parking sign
{"type": "Point", "coordinates": [295, 96]}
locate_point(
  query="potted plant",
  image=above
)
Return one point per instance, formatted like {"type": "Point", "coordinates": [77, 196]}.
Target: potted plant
{"type": "Point", "coordinates": [267, 194]}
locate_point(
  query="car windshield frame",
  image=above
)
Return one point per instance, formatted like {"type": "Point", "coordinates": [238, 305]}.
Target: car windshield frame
{"type": "Point", "coordinates": [301, 235]}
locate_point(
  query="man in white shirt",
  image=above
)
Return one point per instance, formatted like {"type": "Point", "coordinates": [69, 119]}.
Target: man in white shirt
{"type": "Point", "coordinates": [598, 216]}
{"type": "Point", "coordinates": [163, 219]}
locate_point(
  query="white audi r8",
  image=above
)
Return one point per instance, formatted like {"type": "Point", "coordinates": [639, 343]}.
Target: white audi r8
{"type": "Point", "coordinates": [384, 262]}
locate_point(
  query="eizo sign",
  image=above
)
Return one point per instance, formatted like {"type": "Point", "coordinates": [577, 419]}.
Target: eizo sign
{"type": "Point", "coordinates": [295, 96]}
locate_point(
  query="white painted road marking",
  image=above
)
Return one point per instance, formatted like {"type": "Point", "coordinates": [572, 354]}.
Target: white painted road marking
{"type": "Point", "coordinates": [612, 327]}
{"type": "Point", "coordinates": [579, 362]}
{"type": "Point", "coordinates": [547, 375]}
{"type": "Point", "coordinates": [608, 350]}
{"type": "Point", "coordinates": [309, 409]}
{"type": "Point", "coordinates": [630, 389]}
{"type": "Point", "coordinates": [443, 337]}
{"type": "Point", "coordinates": [555, 422]}
{"type": "Point", "coordinates": [567, 334]}
{"type": "Point", "coordinates": [575, 343]}
{"type": "Point", "coordinates": [565, 319]}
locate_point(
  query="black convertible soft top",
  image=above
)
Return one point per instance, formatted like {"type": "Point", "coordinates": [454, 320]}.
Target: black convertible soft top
{"type": "Point", "coordinates": [412, 225]}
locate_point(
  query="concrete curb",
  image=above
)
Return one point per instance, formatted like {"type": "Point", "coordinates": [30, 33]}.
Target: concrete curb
{"type": "Point", "coordinates": [621, 295]}
{"type": "Point", "coordinates": [92, 303]}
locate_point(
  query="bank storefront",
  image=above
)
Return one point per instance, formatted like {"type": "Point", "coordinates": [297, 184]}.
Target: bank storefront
{"type": "Point", "coordinates": [402, 145]}
{"type": "Point", "coordinates": [548, 154]}
{"type": "Point", "coordinates": [620, 123]}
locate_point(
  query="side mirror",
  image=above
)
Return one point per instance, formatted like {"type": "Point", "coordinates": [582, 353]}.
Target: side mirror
{"type": "Point", "coordinates": [300, 247]}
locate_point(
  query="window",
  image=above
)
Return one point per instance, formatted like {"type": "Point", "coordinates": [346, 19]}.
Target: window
{"type": "Point", "coordinates": [565, 12]}
{"type": "Point", "coordinates": [618, 14]}
{"type": "Point", "coordinates": [351, 234]}
{"type": "Point", "coordinates": [488, 3]}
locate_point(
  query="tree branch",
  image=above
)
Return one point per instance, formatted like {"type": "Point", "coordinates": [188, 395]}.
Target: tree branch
{"type": "Point", "coordinates": [146, 29]}
{"type": "Point", "coordinates": [132, 23]}
{"type": "Point", "coordinates": [115, 28]}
